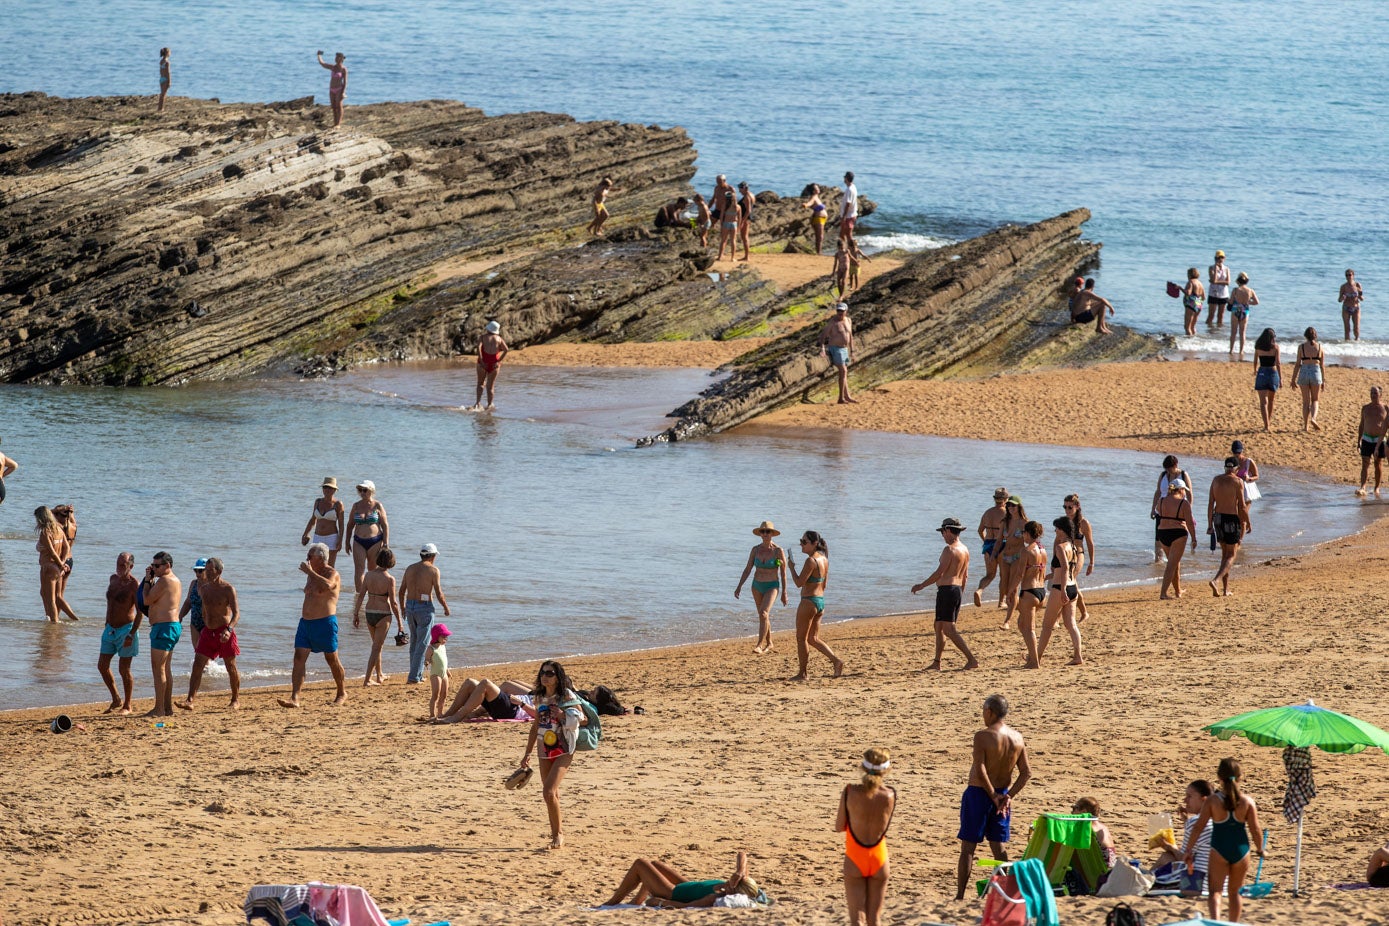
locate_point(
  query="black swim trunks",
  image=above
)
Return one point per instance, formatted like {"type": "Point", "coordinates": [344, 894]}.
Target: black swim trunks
{"type": "Point", "coordinates": [1228, 528]}
{"type": "Point", "coordinates": [948, 598]}
{"type": "Point", "coordinates": [1217, 302]}
{"type": "Point", "coordinates": [1372, 448]}
{"type": "Point", "coordinates": [500, 707]}
{"type": "Point", "coordinates": [1083, 318]}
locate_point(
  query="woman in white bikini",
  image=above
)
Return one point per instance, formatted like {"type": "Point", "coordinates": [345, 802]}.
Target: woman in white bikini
{"type": "Point", "coordinates": [326, 521]}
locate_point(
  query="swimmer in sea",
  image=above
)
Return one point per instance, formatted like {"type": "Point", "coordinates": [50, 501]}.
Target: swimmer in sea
{"type": "Point", "coordinates": [1219, 276]}
{"type": "Point", "coordinates": [1193, 300]}
{"type": "Point", "coordinates": [337, 84]}
{"type": "Point", "coordinates": [7, 467]}
{"type": "Point", "coordinates": [1350, 297]}
{"type": "Point", "coordinates": [1241, 301]}
{"type": "Point", "coordinates": [326, 521]}
{"type": "Point", "coordinates": [767, 566]}
{"type": "Point", "coordinates": [990, 527]}
{"type": "Point", "coordinates": [819, 215]}
{"type": "Point", "coordinates": [163, 77]}
{"type": "Point", "coordinates": [491, 351]}
{"type": "Point", "coordinates": [600, 206]}
{"type": "Point", "coordinates": [53, 550]}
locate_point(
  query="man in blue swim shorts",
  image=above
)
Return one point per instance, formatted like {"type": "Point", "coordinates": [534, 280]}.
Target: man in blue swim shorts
{"type": "Point", "coordinates": [985, 809]}
{"type": "Point", "coordinates": [318, 624]}
{"type": "Point", "coordinates": [837, 342]}
{"type": "Point", "coordinates": [121, 636]}
{"type": "Point", "coordinates": [991, 530]}
{"type": "Point", "coordinates": [161, 592]}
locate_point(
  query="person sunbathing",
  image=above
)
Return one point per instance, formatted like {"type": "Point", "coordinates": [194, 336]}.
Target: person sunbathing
{"type": "Point", "coordinates": [483, 698]}
{"type": "Point", "coordinates": [1378, 872]}
{"type": "Point", "coordinates": [1102, 836]}
{"type": "Point", "coordinates": [659, 885]}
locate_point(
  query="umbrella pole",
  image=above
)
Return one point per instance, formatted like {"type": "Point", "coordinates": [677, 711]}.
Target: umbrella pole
{"type": "Point", "coordinates": [1297, 864]}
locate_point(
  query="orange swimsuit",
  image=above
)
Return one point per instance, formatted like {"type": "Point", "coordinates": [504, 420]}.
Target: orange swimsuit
{"type": "Point", "coordinates": [868, 859]}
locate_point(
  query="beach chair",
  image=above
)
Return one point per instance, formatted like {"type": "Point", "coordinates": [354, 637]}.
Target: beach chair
{"type": "Point", "coordinates": [1062, 841]}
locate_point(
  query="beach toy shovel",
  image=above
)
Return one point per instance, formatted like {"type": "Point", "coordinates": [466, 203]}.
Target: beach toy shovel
{"type": "Point", "coordinates": [1259, 888]}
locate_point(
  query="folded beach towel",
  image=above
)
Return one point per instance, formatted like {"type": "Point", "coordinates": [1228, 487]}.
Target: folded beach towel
{"type": "Point", "coordinates": [347, 904]}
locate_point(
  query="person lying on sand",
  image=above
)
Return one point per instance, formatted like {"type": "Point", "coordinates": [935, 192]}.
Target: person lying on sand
{"type": "Point", "coordinates": [659, 885]}
{"type": "Point", "coordinates": [484, 698]}
{"type": "Point", "coordinates": [1378, 873]}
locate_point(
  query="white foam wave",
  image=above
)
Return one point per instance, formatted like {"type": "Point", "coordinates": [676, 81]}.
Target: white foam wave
{"type": "Point", "coordinates": [906, 241]}
{"type": "Point", "coordinates": [1335, 350]}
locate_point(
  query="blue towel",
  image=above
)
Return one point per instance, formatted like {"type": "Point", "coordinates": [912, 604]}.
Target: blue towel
{"type": "Point", "coordinates": [1035, 888]}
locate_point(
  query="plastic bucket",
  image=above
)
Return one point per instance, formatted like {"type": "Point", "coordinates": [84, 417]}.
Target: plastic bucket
{"type": "Point", "coordinates": [61, 724]}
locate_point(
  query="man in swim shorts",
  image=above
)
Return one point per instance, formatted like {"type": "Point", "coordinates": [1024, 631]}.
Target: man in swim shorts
{"type": "Point", "coordinates": [121, 636]}
{"type": "Point", "coordinates": [7, 466]}
{"type": "Point", "coordinates": [1227, 517]}
{"type": "Point", "coordinates": [1087, 306]}
{"type": "Point", "coordinates": [318, 624]}
{"type": "Point", "coordinates": [848, 213]}
{"type": "Point", "coordinates": [218, 639]}
{"type": "Point", "coordinates": [161, 591]}
{"type": "Point", "coordinates": [1374, 424]}
{"type": "Point", "coordinates": [837, 341]}
{"type": "Point", "coordinates": [986, 807]}
{"type": "Point", "coordinates": [989, 527]}
{"type": "Point", "coordinates": [949, 579]}
{"type": "Point", "coordinates": [418, 588]}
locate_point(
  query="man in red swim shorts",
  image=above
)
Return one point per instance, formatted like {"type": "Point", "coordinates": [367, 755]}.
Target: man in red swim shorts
{"type": "Point", "coordinates": [218, 640]}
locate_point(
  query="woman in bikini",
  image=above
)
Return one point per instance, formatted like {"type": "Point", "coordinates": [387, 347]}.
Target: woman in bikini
{"type": "Point", "coordinates": [767, 565]}
{"type": "Point", "coordinates": [1193, 300]}
{"type": "Point", "coordinates": [1170, 471]}
{"type": "Point", "coordinates": [865, 809]}
{"type": "Point", "coordinates": [811, 579]}
{"type": "Point", "coordinates": [369, 528]}
{"type": "Point", "coordinates": [1086, 541]}
{"type": "Point", "coordinates": [1032, 592]}
{"type": "Point", "coordinates": [53, 550]}
{"type": "Point", "coordinates": [1309, 372]}
{"type": "Point", "coordinates": [66, 516]}
{"type": "Point", "coordinates": [1350, 297]}
{"type": "Point", "coordinates": [728, 224]}
{"type": "Point", "coordinates": [553, 736]}
{"type": "Point", "coordinates": [1175, 524]}
{"type": "Point", "coordinates": [1234, 821]}
{"type": "Point", "coordinates": [1241, 301]}
{"type": "Point", "coordinates": [337, 84]}
{"type": "Point", "coordinates": [1010, 555]}
{"type": "Point", "coordinates": [491, 351]}
{"type": "Point", "coordinates": [819, 215]}
{"type": "Point", "coordinates": [379, 591]}
{"type": "Point", "coordinates": [659, 885]}
{"type": "Point", "coordinates": [163, 77]}
{"type": "Point", "coordinates": [326, 521]}
{"type": "Point", "coordinates": [1061, 601]}
{"type": "Point", "coordinates": [1268, 376]}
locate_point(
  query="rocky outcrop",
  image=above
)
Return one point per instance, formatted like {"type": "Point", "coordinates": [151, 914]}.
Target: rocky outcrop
{"type": "Point", "coordinates": [215, 241]}
{"type": "Point", "coordinates": [928, 318]}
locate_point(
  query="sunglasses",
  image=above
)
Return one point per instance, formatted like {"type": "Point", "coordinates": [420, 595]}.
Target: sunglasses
{"type": "Point", "coordinates": [548, 672]}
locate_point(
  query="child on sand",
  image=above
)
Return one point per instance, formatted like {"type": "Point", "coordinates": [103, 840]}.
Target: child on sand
{"type": "Point", "coordinates": [855, 255]}
{"type": "Point", "coordinates": [438, 661]}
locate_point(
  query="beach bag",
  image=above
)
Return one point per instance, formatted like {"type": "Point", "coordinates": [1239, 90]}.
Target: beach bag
{"type": "Point", "coordinates": [1126, 881]}
{"type": "Point", "coordinates": [1173, 289]}
{"type": "Point", "coordinates": [1251, 492]}
{"type": "Point", "coordinates": [1124, 915]}
{"type": "Point", "coordinates": [587, 737]}
{"type": "Point", "coordinates": [1003, 902]}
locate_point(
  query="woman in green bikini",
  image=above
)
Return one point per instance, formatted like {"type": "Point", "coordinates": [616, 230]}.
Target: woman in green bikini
{"type": "Point", "coordinates": [1230, 838]}
{"type": "Point", "coordinates": [769, 561]}
{"type": "Point", "coordinates": [811, 579]}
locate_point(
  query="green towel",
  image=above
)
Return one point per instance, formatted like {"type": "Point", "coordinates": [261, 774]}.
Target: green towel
{"type": "Point", "coordinates": [1070, 829]}
{"type": "Point", "coordinates": [1036, 891]}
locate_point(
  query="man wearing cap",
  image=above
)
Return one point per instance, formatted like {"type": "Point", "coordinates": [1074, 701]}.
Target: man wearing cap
{"type": "Point", "coordinates": [1227, 517]}
{"type": "Point", "coordinates": [491, 351]}
{"type": "Point", "coordinates": [990, 527]}
{"type": "Point", "coordinates": [160, 591]}
{"type": "Point", "coordinates": [121, 635]}
{"type": "Point", "coordinates": [218, 639]}
{"type": "Point", "coordinates": [949, 578]}
{"type": "Point", "coordinates": [318, 624]}
{"type": "Point", "coordinates": [193, 603]}
{"type": "Point", "coordinates": [837, 341]}
{"type": "Point", "coordinates": [848, 212]}
{"type": "Point", "coordinates": [1218, 293]}
{"type": "Point", "coordinates": [419, 586]}
{"type": "Point", "coordinates": [1374, 425]}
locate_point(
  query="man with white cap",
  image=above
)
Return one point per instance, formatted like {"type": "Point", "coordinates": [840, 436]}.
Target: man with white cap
{"type": "Point", "coordinates": [418, 589]}
{"type": "Point", "coordinates": [950, 578]}
{"type": "Point", "coordinates": [491, 350]}
{"type": "Point", "coordinates": [837, 341]}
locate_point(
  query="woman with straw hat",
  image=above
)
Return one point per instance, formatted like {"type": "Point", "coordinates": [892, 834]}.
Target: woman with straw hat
{"type": "Point", "coordinates": [767, 565]}
{"type": "Point", "coordinates": [326, 522]}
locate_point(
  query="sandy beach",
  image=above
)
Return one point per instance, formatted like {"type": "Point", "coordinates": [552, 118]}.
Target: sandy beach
{"type": "Point", "coordinates": [129, 823]}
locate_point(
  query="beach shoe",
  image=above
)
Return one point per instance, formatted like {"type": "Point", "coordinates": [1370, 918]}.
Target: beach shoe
{"type": "Point", "coordinates": [517, 779]}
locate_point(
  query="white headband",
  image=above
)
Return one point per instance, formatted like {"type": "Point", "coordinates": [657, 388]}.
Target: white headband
{"type": "Point", "coordinates": [876, 769]}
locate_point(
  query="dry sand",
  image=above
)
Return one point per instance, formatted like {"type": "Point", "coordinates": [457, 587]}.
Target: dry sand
{"type": "Point", "coordinates": [789, 271]}
{"type": "Point", "coordinates": [127, 823]}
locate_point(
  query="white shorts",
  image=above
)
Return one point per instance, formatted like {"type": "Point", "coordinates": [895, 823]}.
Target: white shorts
{"type": "Point", "coordinates": [328, 540]}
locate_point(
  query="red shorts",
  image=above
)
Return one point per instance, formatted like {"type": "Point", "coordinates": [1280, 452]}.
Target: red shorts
{"type": "Point", "coordinates": [849, 224]}
{"type": "Point", "coordinates": [211, 644]}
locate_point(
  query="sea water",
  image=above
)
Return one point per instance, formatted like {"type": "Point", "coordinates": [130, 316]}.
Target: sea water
{"type": "Point", "coordinates": [556, 536]}
{"type": "Point", "coordinates": [1254, 127]}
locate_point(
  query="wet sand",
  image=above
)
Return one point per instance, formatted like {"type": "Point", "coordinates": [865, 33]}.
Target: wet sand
{"type": "Point", "coordinates": [730, 755]}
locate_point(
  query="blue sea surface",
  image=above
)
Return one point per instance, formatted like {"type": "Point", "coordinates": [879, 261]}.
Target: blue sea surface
{"type": "Point", "coordinates": [1256, 127]}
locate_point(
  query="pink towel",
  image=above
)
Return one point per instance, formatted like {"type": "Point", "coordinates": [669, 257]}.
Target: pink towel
{"type": "Point", "coordinates": [348, 904]}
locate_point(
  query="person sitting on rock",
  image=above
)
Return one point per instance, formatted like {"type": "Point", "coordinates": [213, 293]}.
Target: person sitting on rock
{"type": "Point", "coordinates": [670, 215]}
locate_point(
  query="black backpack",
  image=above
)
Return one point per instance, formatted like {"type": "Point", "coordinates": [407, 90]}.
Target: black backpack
{"type": "Point", "coordinates": [1123, 915]}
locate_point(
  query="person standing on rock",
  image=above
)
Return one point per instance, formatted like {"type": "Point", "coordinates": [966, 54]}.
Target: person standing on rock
{"type": "Point", "coordinates": [848, 213]}
{"type": "Point", "coordinates": [491, 350]}
{"type": "Point", "coordinates": [745, 205]}
{"type": "Point", "coordinates": [841, 269]}
{"type": "Point", "coordinates": [721, 189]}
{"type": "Point", "coordinates": [600, 206]}
{"type": "Point", "coordinates": [728, 224]}
{"type": "Point", "coordinates": [704, 220]}
{"type": "Point", "coordinates": [7, 466]}
{"type": "Point", "coordinates": [819, 215]}
{"type": "Point", "coordinates": [218, 639]}
{"type": "Point", "coordinates": [1088, 306]}
{"type": "Point", "coordinates": [163, 77]}
{"type": "Point", "coordinates": [837, 341]}
{"type": "Point", "coordinates": [337, 84]}
{"type": "Point", "coordinates": [318, 624]}
{"type": "Point", "coordinates": [120, 637]}
{"type": "Point", "coordinates": [161, 592]}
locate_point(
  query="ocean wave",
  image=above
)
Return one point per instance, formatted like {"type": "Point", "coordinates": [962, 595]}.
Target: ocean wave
{"type": "Point", "coordinates": [1335, 350]}
{"type": "Point", "coordinates": [906, 241]}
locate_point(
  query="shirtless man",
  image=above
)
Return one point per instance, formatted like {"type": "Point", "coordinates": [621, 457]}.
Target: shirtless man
{"type": "Point", "coordinates": [987, 802]}
{"type": "Point", "coordinates": [162, 593]}
{"type": "Point", "coordinates": [218, 639]}
{"type": "Point", "coordinates": [600, 206]}
{"type": "Point", "coordinates": [848, 213]}
{"type": "Point", "coordinates": [1227, 516]}
{"type": "Point", "coordinates": [721, 189]}
{"type": "Point", "coordinates": [378, 593]}
{"type": "Point", "coordinates": [7, 466]}
{"type": "Point", "coordinates": [121, 637]}
{"type": "Point", "coordinates": [418, 587]}
{"type": "Point", "coordinates": [837, 340]}
{"type": "Point", "coordinates": [1086, 306]}
{"type": "Point", "coordinates": [1374, 424]}
{"type": "Point", "coordinates": [337, 84]}
{"type": "Point", "coordinates": [989, 527]}
{"type": "Point", "coordinates": [949, 579]}
{"type": "Point", "coordinates": [318, 624]}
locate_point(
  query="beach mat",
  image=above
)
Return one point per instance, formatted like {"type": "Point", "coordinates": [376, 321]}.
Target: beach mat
{"type": "Point", "coordinates": [1355, 886]}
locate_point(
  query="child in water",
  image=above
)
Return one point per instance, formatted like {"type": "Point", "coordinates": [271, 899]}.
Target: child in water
{"type": "Point", "coordinates": [438, 661]}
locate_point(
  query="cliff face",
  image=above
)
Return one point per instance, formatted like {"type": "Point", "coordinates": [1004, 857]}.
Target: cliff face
{"type": "Point", "coordinates": [214, 241]}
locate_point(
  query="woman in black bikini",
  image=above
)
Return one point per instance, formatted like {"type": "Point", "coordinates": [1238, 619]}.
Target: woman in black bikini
{"type": "Point", "coordinates": [1032, 592]}
{"type": "Point", "coordinates": [1267, 375]}
{"type": "Point", "coordinates": [369, 527]}
{"type": "Point", "coordinates": [1010, 555]}
{"type": "Point", "coordinates": [1086, 541]}
{"type": "Point", "coordinates": [1174, 525]}
{"type": "Point", "coordinates": [1061, 601]}
{"type": "Point", "coordinates": [1309, 372]}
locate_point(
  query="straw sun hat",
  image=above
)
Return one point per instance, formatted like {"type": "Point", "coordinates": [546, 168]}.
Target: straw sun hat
{"type": "Point", "coordinates": [766, 526]}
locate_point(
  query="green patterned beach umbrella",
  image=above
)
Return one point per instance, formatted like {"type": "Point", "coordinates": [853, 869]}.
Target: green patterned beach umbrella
{"type": "Point", "coordinates": [1303, 725]}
